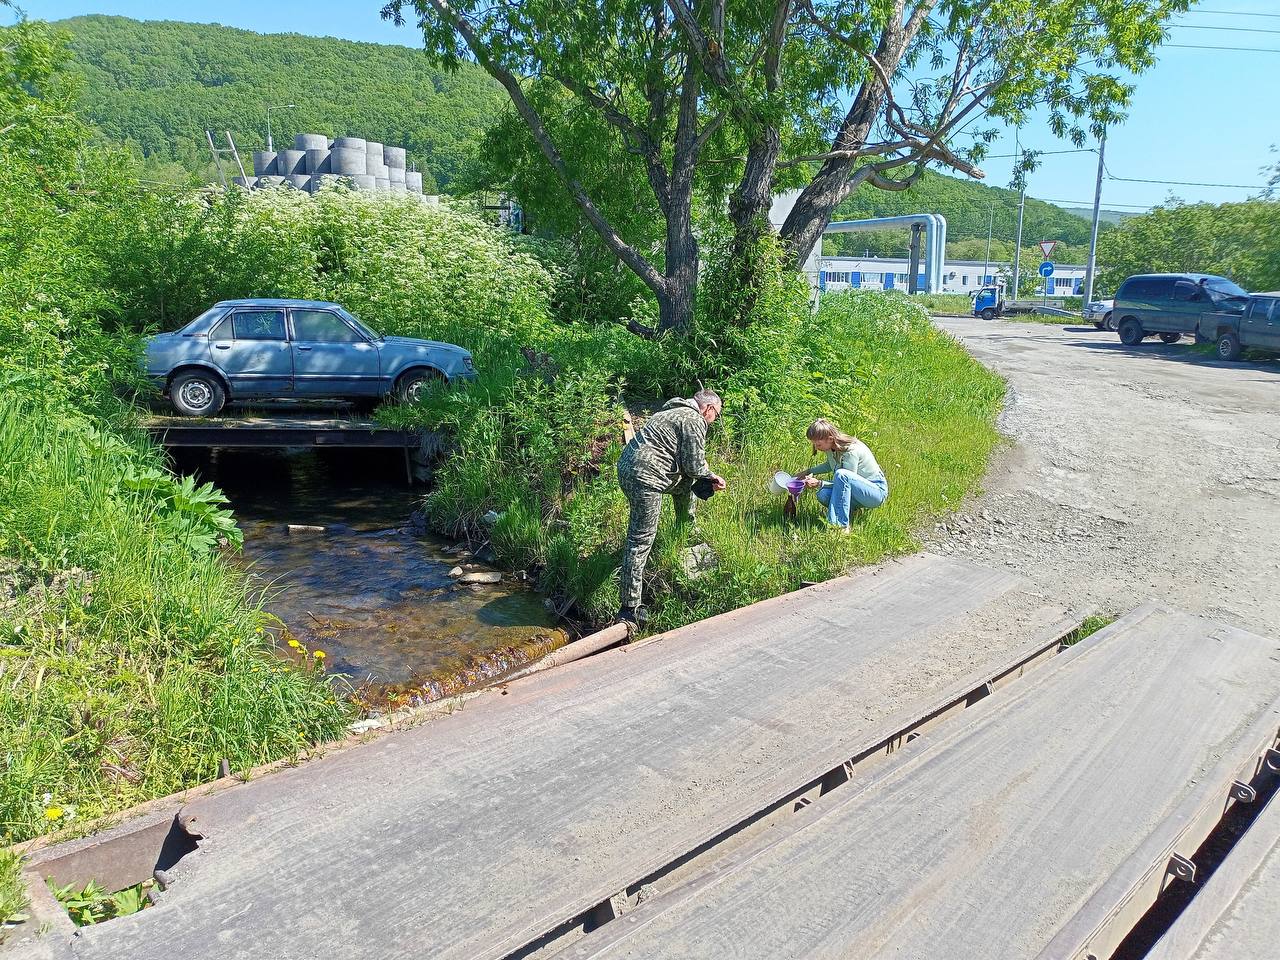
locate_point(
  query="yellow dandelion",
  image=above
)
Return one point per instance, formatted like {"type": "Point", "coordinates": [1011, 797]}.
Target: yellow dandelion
{"type": "Point", "coordinates": [319, 654]}
{"type": "Point", "coordinates": [53, 813]}
{"type": "Point", "coordinates": [295, 644]}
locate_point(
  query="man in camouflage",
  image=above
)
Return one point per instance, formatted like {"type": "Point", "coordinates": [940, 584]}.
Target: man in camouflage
{"type": "Point", "coordinates": [666, 456]}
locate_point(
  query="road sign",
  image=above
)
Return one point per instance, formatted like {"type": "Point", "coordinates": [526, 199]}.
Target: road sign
{"type": "Point", "coordinates": [1046, 269]}
{"type": "Point", "coordinates": [1046, 247]}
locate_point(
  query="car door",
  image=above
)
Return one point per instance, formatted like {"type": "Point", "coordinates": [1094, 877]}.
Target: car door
{"type": "Point", "coordinates": [330, 357]}
{"type": "Point", "coordinates": [251, 349]}
{"type": "Point", "coordinates": [1260, 325]}
{"type": "Point", "coordinates": [1189, 301]}
{"type": "Point", "coordinates": [1157, 305]}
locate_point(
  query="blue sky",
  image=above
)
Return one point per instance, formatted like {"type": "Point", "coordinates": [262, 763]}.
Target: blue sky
{"type": "Point", "coordinates": [1204, 116]}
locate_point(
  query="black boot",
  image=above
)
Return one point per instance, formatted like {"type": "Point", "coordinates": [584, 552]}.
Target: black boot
{"type": "Point", "coordinates": [637, 615]}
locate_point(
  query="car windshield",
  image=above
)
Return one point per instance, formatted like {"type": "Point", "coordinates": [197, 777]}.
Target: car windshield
{"type": "Point", "coordinates": [359, 326]}
{"type": "Point", "coordinates": [1223, 288]}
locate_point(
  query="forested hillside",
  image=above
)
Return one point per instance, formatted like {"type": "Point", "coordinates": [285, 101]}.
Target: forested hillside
{"type": "Point", "coordinates": [967, 205]}
{"type": "Point", "coordinates": [160, 84]}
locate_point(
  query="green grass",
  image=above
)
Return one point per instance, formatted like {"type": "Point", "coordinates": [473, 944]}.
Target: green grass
{"type": "Point", "coordinates": [13, 896]}
{"type": "Point", "coordinates": [949, 303]}
{"type": "Point", "coordinates": [923, 406]}
{"type": "Point", "coordinates": [132, 659]}
{"type": "Point", "coordinates": [1088, 627]}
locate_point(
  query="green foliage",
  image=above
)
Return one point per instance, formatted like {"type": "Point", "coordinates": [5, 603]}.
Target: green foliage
{"type": "Point", "coordinates": [1236, 240]}
{"type": "Point", "coordinates": [195, 515]}
{"type": "Point", "coordinates": [132, 658]}
{"type": "Point", "coordinates": [1088, 627]}
{"type": "Point", "coordinates": [91, 904]}
{"type": "Point", "coordinates": [13, 895]}
{"type": "Point", "coordinates": [160, 84]}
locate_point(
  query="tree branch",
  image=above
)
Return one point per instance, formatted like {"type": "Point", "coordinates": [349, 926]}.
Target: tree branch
{"type": "Point", "coordinates": [621, 249]}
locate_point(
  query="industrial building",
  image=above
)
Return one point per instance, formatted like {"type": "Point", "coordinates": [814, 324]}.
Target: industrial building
{"type": "Point", "coordinates": [958, 276]}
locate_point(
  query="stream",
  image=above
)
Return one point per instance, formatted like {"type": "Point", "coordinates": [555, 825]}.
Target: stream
{"type": "Point", "coordinates": [375, 597]}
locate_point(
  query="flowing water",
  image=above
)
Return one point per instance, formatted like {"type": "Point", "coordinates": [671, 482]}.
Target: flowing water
{"type": "Point", "coordinates": [375, 597]}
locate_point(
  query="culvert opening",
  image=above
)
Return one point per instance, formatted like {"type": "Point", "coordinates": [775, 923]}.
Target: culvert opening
{"type": "Point", "coordinates": [115, 873]}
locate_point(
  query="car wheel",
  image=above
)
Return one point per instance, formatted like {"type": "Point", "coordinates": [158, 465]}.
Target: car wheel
{"type": "Point", "coordinates": [988, 313]}
{"type": "Point", "coordinates": [1170, 337]}
{"type": "Point", "coordinates": [1098, 325]}
{"type": "Point", "coordinates": [1228, 346]}
{"type": "Point", "coordinates": [410, 387]}
{"type": "Point", "coordinates": [1109, 321]}
{"type": "Point", "coordinates": [1130, 332]}
{"type": "Point", "coordinates": [197, 394]}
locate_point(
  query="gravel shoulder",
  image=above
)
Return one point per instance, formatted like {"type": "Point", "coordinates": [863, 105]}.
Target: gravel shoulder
{"type": "Point", "coordinates": [1131, 473]}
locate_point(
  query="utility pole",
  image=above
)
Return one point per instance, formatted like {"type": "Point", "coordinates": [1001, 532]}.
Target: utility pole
{"type": "Point", "coordinates": [986, 267]}
{"type": "Point", "coordinates": [1092, 266]}
{"type": "Point", "coordinates": [1017, 247]}
{"type": "Point", "coordinates": [282, 106]}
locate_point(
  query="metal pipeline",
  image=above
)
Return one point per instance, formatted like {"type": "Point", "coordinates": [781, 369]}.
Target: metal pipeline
{"type": "Point", "coordinates": [592, 643]}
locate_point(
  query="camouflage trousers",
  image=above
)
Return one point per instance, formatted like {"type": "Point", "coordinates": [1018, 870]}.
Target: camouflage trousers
{"type": "Point", "coordinates": [642, 528]}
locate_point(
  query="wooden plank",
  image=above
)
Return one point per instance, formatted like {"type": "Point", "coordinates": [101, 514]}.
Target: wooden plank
{"type": "Point", "coordinates": [996, 839]}
{"type": "Point", "coordinates": [1236, 915]}
{"type": "Point", "coordinates": [474, 835]}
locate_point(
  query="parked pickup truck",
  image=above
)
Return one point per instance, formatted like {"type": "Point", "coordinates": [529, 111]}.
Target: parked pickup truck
{"type": "Point", "coordinates": [1170, 304]}
{"type": "Point", "coordinates": [1258, 326]}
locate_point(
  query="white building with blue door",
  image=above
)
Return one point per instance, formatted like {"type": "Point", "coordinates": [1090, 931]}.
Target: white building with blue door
{"type": "Point", "coordinates": [958, 276]}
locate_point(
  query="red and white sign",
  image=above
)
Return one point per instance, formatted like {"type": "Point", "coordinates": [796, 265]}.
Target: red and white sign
{"type": "Point", "coordinates": [1046, 247]}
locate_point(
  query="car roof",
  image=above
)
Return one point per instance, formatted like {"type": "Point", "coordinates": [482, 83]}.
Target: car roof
{"type": "Point", "coordinates": [275, 302]}
{"type": "Point", "coordinates": [1194, 276]}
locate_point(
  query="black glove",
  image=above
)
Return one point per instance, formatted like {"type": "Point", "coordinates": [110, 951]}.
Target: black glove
{"type": "Point", "coordinates": [703, 488]}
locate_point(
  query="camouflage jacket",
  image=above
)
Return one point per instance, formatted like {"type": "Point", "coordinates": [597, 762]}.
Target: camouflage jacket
{"type": "Point", "coordinates": [671, 447]}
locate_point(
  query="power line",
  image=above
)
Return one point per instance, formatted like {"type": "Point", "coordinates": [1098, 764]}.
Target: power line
{"type": "Point", "coordinates": [1188, 183]}
{"type": "Point", "coordinates": [1194, 46]}
{"type": "Point", "coordinates": [1233, 13]}
{"type": "Point", "coordinates": [1205, 26]}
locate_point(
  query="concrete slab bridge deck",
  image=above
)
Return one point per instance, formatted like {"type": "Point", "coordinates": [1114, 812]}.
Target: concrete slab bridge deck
{"type": "Point", "coordinates": [534, 808]}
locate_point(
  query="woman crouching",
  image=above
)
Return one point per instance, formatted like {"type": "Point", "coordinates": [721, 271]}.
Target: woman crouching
{"type": "Point", "coordinates": [857, 480]}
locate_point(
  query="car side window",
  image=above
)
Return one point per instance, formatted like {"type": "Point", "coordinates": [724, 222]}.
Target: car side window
{"type": "Point", "coordinates": [1264, 310]}
{"type": "Point", "coordinates": [322, 326]}
{"type": "Point", "coordinates": [1185, 291]}
{"type": "Point", "coordinates": [221, 330]}
{"type": "Point", "coordinates": [1136, 290]}
{"type": "Point", "coordinates": [259, 324]}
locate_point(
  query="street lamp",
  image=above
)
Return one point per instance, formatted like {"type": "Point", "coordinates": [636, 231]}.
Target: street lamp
{"type": "Point", "coordinates": [279, 106]}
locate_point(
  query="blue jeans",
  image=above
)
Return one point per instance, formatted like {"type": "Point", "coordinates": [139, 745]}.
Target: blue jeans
{"type": "Point", "coordinates": [848, 490]}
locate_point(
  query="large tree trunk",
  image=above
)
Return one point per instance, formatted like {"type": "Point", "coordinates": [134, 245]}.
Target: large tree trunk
{"type": "Point", "coordinates": [676, 305]}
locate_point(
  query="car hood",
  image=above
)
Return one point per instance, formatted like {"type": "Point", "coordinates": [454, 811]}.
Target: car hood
{"type": "Point", "coordinates": [433, 344]}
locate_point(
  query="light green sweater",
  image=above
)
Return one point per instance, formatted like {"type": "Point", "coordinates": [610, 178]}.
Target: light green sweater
{"type": "Point", "coordinates": [858, 459]}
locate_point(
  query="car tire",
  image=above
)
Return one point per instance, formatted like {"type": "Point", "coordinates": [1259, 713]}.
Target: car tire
{"type": "Point", "coordinates": [1099, 325]}
{"type": "Point", "coordinates": [1109, 321]}
{"type": "Point", "coordinates": [1170, 337]}
{"type": "Point", "coordinates": [409, 386]}
{"type": "Point", "coordinates": [988, 313]}
{"type": "Point", "coordinates": [1228, 346]}
{"type": "Point", "coordinates": [1130, 332]}
{"type": "Point", "coordinates": [197, 393]}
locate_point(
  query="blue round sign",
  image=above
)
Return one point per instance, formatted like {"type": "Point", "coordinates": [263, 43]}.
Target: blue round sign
{"type": "Point", "coordinates": [1046, 269]}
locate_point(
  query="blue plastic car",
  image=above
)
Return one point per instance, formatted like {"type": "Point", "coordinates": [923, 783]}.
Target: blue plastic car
{"type": "Point", "coordinates": [291, 349]}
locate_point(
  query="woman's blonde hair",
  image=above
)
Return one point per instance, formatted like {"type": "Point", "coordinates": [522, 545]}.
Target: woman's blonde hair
{"type": "Point", "coordinates": [823, 429]}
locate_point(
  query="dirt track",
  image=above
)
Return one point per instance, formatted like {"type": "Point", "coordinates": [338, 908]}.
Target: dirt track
{"type": "Point", "coordinates": [1134, 473]}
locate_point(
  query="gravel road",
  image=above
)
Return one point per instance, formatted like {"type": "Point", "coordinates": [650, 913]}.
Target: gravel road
{"type": "Point", "coordinates": [1132, 473]}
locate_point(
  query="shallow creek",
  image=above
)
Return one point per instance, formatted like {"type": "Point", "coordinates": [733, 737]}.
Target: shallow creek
{"type": "Point", "coordinates": [375, 597]}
